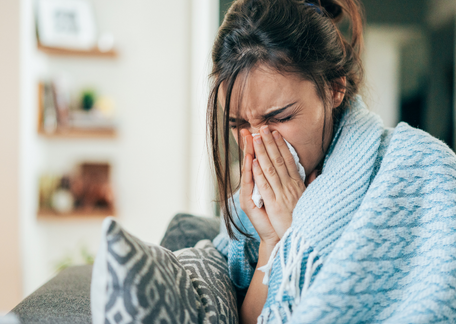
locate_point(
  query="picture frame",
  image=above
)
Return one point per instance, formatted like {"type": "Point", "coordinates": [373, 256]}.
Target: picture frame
{"type": "Point", "coordinates": [66, 24]}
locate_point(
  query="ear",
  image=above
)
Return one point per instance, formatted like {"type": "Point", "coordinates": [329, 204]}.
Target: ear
{"type": "Point", "coordinates": [338, 91]}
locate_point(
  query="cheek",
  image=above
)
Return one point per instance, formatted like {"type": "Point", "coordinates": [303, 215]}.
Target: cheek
{"type": "Point", "coordinates": [235, 135]}
{"type": "Point", "coordinates": [305, 138]}
{"type": "Point", "coordinates": [234, 132]}
{"type": "Point", "coordinates": [291, 132]}
{"type": "Point", "coordinates": [312, 128]}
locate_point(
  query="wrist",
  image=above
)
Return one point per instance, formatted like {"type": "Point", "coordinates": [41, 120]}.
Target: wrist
{"type": "Point", "coordinates": [284, 228]}
{"type": "Point", "coordinates": [269, 245]}
{"type": "Point", "coordinates": [265, 251]}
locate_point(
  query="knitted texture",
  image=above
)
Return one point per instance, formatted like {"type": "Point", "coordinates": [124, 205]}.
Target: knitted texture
{"type": "Point", "coordinates": [373, 237]}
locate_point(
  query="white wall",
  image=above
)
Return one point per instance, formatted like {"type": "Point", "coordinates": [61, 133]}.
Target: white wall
{"type": "Point", "coordinates": [34, 251]}
{"type": "Point", "coordinates": [381, 63]}
{"type": "Point", "coordinates": [382, 67]}
{"type": "Point", "coordinates": [10, 267]}
{"type": "Point", "coordinates": [440, 12]}
{"type": "Point", "coordinates": [203, 31]}
{"type": "Point", "coordinates": [150, 83]}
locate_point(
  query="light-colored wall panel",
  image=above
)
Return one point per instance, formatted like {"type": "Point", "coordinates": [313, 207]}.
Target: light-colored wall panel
{"type": "Point", "coordinates": [10, 271]}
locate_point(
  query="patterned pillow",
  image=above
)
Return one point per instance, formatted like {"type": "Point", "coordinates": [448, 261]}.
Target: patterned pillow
{"type": "Point", "coordinates": [137, 282]}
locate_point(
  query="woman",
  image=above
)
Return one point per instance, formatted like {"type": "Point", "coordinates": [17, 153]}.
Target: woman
{"type": "Point", "coordinates": [369, 235]}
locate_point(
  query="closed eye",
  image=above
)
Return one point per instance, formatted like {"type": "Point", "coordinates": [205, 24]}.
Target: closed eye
{"type": "Point", "coordinates": [241, 125]}
{"type": "Point", "coordinates": [270, 121]}
{"type": "Point", "coordinates": [280, 120]}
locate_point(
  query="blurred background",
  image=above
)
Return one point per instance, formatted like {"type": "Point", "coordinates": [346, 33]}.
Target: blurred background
{"type": "Point", "coordinates": [103, 113]}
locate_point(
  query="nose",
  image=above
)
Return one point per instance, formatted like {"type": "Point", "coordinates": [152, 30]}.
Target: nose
{"type": "Point", "coordinates": [255, 129]}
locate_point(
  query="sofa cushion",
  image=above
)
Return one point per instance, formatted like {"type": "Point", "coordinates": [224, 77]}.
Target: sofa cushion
{"type": "Point", "coordinates": [134, 281]}
{"type": "Point", "coordinates": [186, 230]}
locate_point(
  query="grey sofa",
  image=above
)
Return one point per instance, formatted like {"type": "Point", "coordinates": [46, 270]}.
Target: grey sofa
{"type": "Point", "coordinates": [66, 297]}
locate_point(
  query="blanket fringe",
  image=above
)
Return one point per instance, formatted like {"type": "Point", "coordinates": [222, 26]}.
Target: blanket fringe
{"type": "Point", "coordinates": [291, 267]}
{"type": "Point", "coordinates": [268, 266]}
{"type": "Point", "coordinates": [276, 311]}
{"type": "Point", "coordinates": [310, 269]}
{"type": "Point", "coordinates": [266, 314]}
{"type": "Point", "coordinates": [264, 317]}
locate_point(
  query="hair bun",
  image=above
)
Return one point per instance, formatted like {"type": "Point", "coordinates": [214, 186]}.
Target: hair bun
{"type": "Point", "coordinates": [333, 8]}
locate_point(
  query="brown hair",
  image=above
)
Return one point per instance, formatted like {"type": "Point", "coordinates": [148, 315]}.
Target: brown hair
{"type": "Point", "coordinates": [290, 36]}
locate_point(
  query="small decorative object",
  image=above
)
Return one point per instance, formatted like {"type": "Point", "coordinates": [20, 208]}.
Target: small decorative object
{"type": "Point", "coordinates": [48, 109]}
{"type": "Point", "coordinates": [66, 24]}
{"type": "Point", "coordinates": [96, 112]}
{"type": "Point", "coordinates": [48, 185]}
{"type": "Point", "coordinates": [92, 188]}
{"type": "Point", "coordinates": [106, 42]}
{"type": "Point", "coordinates": [61, 91]}
{"type": "Point", "coordinates": [88, 100]}
{"type": "Point", "coordinates": [106, 107]}
{"type": "Point", "coordinates": [62, 199]}
{"type": "Point", "coordinates": [92, 119]}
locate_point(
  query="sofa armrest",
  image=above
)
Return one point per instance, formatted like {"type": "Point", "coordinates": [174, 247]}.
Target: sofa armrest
{"type": "Point", "coordinates": [63, 299]}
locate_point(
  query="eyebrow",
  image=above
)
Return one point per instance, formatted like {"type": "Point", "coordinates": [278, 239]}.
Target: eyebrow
{"type": "Point", "coordinates": [270, 114]}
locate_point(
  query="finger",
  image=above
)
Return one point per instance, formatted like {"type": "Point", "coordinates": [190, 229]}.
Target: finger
{"type": "Point", "coordinates": [287, 156]}
{"type": "Point", "coordinates": [273, 152]}
{"type": "Point", "coordinates": [247, 183]}
{"type": "Point", "coordinates": [247, 175]}
{"type": "Point", "coordinates": [268, 169]}
{"type": "Point", "coordinates": [263, 185]}
{"type": "Point", "coordinates": [247, 141]}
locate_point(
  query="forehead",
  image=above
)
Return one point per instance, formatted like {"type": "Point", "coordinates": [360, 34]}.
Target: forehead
{"type": "Point", "coordinates": [262, 89]}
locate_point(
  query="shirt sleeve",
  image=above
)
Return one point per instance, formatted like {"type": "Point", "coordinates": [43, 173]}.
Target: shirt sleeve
{"type": "Point", "coordinates": [242, 254]}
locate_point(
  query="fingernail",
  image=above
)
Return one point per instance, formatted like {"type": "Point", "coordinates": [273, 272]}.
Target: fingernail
{"type": "Point", "coordinates": [275, 134]}
{"type": "Point", "coordinates": [255, 163]}
{"type": "Point", "coordinates": [266, 130]}
{"type": "Point", "coordinates": [258, 140]}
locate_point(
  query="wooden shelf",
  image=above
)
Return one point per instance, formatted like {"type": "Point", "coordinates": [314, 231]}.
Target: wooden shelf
{"type": "Point", "coordinates": [95, 52]}
{"type": "Point", "coordinates": [107, 133]}
{"type": "Point", "coordinates": [97, 214]}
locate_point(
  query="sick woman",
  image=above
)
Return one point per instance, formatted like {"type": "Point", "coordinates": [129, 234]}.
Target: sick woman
{"type": "Point", "coordinates": [368, 233]}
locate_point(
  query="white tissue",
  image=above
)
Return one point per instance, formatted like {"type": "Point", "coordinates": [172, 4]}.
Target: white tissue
{"type": "Point", "coordinates": [256, 196]}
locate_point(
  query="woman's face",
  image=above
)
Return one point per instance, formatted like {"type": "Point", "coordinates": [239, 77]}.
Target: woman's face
{"type": "Point", "coordinates": [285, 103]}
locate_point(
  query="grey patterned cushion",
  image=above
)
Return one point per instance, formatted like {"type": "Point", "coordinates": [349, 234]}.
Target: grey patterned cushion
{"type": "Point", "coordinates": [137, 282]}
{"type": "Point", "coordinates": [186, 230]}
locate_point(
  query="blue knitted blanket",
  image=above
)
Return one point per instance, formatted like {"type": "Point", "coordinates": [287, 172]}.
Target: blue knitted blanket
{"type": "Point", "coordinates": [373, 238]}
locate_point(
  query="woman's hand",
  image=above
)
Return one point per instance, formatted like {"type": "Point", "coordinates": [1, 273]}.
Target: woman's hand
{"type": "Point", "coordinates": [276, 175]}
{"type": "Point", "coordinates": [257, 216]}
{"type": "Point", "coordinates": [277, 178]}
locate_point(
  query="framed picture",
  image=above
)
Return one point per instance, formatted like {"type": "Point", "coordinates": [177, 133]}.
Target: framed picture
{"type": "Point", "coordinates": [66, 24]}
